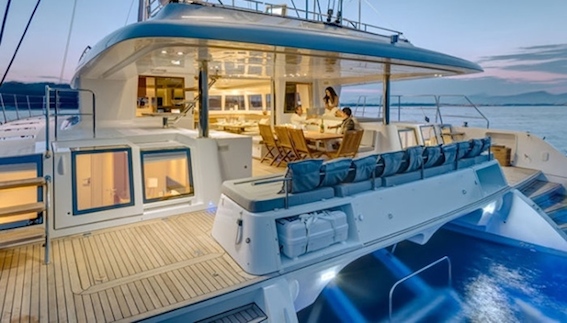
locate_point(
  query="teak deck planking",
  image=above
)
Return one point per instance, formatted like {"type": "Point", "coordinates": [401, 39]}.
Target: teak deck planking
{"type": "Point", "coordinates": [124, 273]}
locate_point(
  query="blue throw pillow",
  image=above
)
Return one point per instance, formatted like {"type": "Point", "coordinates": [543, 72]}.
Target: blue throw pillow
{"type": "Point", "coordinates": [335, 171]}
{"type": "Point", "coordinates": [305, 175]}
{"type": "Point", "coordinates": [363, 168]}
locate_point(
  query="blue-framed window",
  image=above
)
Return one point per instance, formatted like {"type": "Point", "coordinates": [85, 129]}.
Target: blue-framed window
{"type": "Point", "coordinates": [101, 178]}
{"type": "Point", "coordinates": [16, 168]}
{"type": "Point", "coordinates": [167, 174]}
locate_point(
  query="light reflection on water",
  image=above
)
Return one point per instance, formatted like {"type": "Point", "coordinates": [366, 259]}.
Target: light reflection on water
{"type": "Point", "coordinates": [495, 283]}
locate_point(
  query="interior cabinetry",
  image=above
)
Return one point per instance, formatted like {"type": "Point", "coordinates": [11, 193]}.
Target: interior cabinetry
{"type": "Point", "coordinates": [159, 94]}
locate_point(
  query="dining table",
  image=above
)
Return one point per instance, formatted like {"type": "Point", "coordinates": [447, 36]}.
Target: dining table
{"type": "Point", "coordinates": [322, 139]}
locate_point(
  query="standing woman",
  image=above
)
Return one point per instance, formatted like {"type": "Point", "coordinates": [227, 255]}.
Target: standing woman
{"type": "Point", "coordinates": [331, 100]}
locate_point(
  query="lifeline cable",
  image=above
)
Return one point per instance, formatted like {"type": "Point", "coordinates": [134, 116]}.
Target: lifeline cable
{"type": "Point", "coordinates": [4, 21]}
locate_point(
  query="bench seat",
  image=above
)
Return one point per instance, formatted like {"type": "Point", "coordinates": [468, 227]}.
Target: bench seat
{"type": "Point", "coordinates": [267, 197]}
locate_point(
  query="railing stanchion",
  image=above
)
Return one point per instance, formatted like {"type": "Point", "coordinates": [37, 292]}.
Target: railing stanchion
{"type": "Point", "coordinates": [16, 106]}
{"type": "Point", "coordinates": [46, 219]}
{"type": "Point", "coordinates": [3, 108]}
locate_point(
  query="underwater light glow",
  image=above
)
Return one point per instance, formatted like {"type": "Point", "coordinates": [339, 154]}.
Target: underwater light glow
{"type": "Point", "coordinates": [328, 275]}
{"type": "Point", "coordinates": [489, 208]}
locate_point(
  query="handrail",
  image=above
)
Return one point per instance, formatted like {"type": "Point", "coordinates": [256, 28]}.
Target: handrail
{"type": "Point", "coordinates": [449, 280]}
{"type": "Point", "coordinates": [31, 105]}
{"type": "Point", "coordinates": [48, 90]}
{"type": "Point", "coordinates": [152, 7]}
{"type": "Point", "coordinates": [432, 102]}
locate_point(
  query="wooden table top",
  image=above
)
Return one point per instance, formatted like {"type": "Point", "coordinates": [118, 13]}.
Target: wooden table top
{"type": "Point", "coordinates": [315, 135]}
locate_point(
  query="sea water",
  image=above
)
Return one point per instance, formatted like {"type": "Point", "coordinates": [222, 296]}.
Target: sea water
{"type": "Point", "coordinates": [546, 122]}
{"type": "Point", "coordinates": [494, 283]}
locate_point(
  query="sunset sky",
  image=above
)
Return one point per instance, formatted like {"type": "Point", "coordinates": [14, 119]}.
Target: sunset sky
{"type": "Point", "coordinates": [522, 45]}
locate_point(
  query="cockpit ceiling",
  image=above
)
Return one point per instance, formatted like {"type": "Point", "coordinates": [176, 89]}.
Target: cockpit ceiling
{"type": "Point", "coordinates": [181, 57]}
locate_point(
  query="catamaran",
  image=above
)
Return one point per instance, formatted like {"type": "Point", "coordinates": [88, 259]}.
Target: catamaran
{"type": "Point", "coordinates": [155, 201]}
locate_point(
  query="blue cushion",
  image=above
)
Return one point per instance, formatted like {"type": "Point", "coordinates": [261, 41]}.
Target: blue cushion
{"type": "Point", "coordinates": [486, 141]}
{"type": "Point", "coordinates": [305, 175]}
{"type": "Point", "coordinates": [475, 148]}
{"type": "Point", "coordinates": [432, 155]}
{"type": "Point", "coordinates": [335, 171]}
{"type": "Point", "coordinates": [347, 189]}
{"type": "Point", "coordinates": [415, 158]}
{"type": "Point", "coordinates": [463, 148]}
{"type": "Point", "coordinates": [363, 168]}
{"type": "Point", "coordinates": [392, 162]}
{"type": "Point", "coordinates": [449, 153]}
{"type": "Point", "coordinates": [265, 197]}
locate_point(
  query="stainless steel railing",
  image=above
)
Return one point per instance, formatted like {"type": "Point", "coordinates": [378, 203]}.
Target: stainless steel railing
{"type": "Point", "coordinates": [149, 8]}
{"type": "Point", "coordinates": [449, 279]}
{"type": "Point", "coordinates": [442, 109]}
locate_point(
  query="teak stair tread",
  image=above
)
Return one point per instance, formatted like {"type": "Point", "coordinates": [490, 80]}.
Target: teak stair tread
{"type": "Point", "coordinates": [37, 181]}
{"type": "Point", "coordinates": [15, 237]}
{"type": "Point", "coordinates": [22, 209]}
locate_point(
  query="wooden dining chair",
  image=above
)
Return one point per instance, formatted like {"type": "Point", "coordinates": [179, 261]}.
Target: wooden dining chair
{"type": "Point", "coordinates": [284, 142]}
{"type": "Point", "coordinates": [300, 145]}
{"type": "Point", "coordinates": [273, 151]}
{"type": "Point", "coordinates": [349, 144]}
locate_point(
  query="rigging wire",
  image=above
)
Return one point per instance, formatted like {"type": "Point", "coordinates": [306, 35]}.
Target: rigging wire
{"type": "Point", "coordinates": [129, 12]}
{"type": "Point", "coordinates": [68, 41]}
{"type": "Point", "coordinates": [4, 20]}
{"type": "Point", "coordinates": [20, 43]}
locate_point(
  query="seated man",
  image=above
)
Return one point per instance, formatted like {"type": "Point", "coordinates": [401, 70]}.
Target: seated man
{"type": "Point", "coordinates": [298, 119]}
{"type": "Point", "coordinates": [348, 122]}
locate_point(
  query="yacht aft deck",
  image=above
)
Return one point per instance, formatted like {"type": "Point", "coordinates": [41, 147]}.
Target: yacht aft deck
{"type": "Point", "coordinates": [119, 274]}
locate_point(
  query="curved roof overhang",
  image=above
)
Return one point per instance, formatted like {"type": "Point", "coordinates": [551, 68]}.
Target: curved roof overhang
{"type": "Point", "coordinates": [250, 45]}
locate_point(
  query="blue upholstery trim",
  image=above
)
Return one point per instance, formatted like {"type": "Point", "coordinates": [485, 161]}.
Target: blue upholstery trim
{"type": "Point", "coordinates": [433, 156]}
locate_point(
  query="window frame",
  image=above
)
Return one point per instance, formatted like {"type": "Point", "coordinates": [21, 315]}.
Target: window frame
{"type": "Point", "coordinates": [84, 151]}
{"type": "Point", "coordinates": [187, 151]}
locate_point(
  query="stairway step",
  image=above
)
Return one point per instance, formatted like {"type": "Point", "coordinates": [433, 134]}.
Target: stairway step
{"type": "Point", "coordinates": [249, 313]}
{"type": "Point", "coordinates": [19, 236]}
{"type": "Point", "coordinates": [544, 191]}
{"type": "Point", "coordinates": [22, 209]}
{"type": "Point", "coordinates": [37, 181]}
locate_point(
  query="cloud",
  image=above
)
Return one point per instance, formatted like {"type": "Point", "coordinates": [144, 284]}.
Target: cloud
{"type": "Point", "coordinates": [546, 63]}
